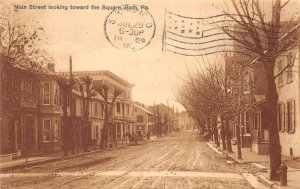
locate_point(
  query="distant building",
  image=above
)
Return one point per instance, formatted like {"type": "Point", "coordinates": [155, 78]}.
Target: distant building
{"type": "Point", "coordinates": [163, 118]}
{"type": "Point", "coordinates": [144, 120]}
{"type": "Point", "coordinates": [186, 122]}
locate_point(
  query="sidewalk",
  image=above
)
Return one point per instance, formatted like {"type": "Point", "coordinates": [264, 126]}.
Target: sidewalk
{"type": "Point", "coordinates": [262, 162]}
{"type": "Point", "coordinates": [46, 158]}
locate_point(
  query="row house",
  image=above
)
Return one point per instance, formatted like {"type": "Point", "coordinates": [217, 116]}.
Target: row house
{"type": "Point", "coordinates": [50, 112]}
{"type": "Point", "coordinates": [288, 89]}
{"type": "Point", "coordinates": [252, 84]}
{"type": "Point", "coordinates": [25, 123]}
{"type": "Point", "coordinates": [95, 116]}
{"type": "Point", "coordinates": [122, 118]}
{"type": "Point", "coordinates": [249, 84]}
{"type": "Point", "coordinates": [144, 120]}
{"type": "Point", "coordinates": [163, 118]}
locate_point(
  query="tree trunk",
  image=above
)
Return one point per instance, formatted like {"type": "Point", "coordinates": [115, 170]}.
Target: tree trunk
{"type": "Point", "coordinates": [223, 134]}
{"type": "Point", "coordinates": [238, 137]}
{"type": "Point", "coordinates": [216, 135]}
{"type": "Point", "coordinates": [210, 129]}
{"type": "Point", "coordinates": [271, 116]}
{"type": "Point", "coordinates": [228, 137]}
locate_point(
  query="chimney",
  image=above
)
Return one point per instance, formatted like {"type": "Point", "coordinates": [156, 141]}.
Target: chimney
{"type": "Point", "coordinates": [51, 67]}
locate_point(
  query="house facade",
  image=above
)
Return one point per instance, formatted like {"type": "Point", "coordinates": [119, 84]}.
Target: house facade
{"type": "Point", "coordinates": [248, 83]}
{"type": "Point", "coordinates": [29, 117]}
{"type": "Point", "coordinates": [288, 89]}
{"type": "Point", "coordinates": [122, 118]}
{"type": "Point", "coordinates": [144, 120]}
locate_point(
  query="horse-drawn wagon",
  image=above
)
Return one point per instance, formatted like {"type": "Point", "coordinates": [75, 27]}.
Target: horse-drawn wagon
{"type": "Point", "coordinates": [134, 139]}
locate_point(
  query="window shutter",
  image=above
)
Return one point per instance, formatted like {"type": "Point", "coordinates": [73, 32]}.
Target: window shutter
{"type": "Point", "coordinates": [285, 117]}
{"type": "Point", "coordinates": [294, 116]}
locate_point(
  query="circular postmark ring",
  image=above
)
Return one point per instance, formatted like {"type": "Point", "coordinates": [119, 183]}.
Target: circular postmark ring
{"type": "Point", "coordinates": [130, 27]}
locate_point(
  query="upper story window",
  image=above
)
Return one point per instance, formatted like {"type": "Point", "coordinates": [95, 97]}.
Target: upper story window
{"type": "Point", "coordinates": [291, 116]}
{"type": "Point", "coordinates": [123, 108]}
{"type": "Point", "coordinates": [280, 67]}
{"type": "Point", "coordinates": [150, 118]}
{"type": "Point", "coordinates": [56, 95]}
{"type": "Point", "coordinates": [127, 109]}
{"type": "Point", "coordinates": [247, 83]}
{"type": "Point", "coordinates": [102, 109]}
{"type": "Point", "coordinates": [96, 109]}
{"type": "Point", "coordinates": [46, 93]}
{"type": "Point", "coordinates": [28, 89]}
{"type": "Point", "coordinates": [289, 72]}
{"type": "Point", "coordinates": [139, 118]}
{"type": "Point", "coordinates": [118, 107]}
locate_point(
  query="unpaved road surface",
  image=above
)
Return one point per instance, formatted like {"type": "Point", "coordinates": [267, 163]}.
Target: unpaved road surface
{"type": "Point", "coordinates": [178, 160]}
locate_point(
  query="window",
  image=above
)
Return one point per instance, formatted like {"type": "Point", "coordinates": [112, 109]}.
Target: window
{"type": "Point", "coordinates": [246, 122]}
{"type": "Point", "coordinates": [118, 107]}
{"type": "Point", "coordinates": [95, 134]}
{"type": "Point", "coordinates": [102, 109]}
{"type": "Point", "coordinates": [280, 117]}
{"type": "Point", "coordinates": [290, 116]}
{"type": "Point", "coordinates": [123, 109]}
{"type": "Point", "coordinates": [247, 84]}
{"type": "Point", "coordinates": [47, 130]}
{"type": "Point", "coordinates": [96, 109]}
{"type": "Point", "coordinates": [139, 118]}
{"type": "Point", "coordinates": [57, 131]}
{"type": "Point", "coordinates": [257, 121]}
{"type": "Point", "coordinates": [289, 72]}
{"type": "Point", "coordinates": [280, 81]}
{"type": "Point", "coordinates": [127, 109]}
{"type": "Point", "coordinates": [46, 93]}
{"type": "Point", "coordinates": [56, 96]}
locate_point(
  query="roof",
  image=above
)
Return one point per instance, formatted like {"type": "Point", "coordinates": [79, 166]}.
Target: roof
{"type": "Point", "coordinates": [98, 73]}
{"type": "Point", "coordinates": [259, 99]}
{"type": "Point", "coordinates": [143, 109]}
{"type": "Point", "coordinates": [28, 66]}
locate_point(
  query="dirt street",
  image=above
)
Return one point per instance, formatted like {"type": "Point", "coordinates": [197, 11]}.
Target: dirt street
{"type": "Point", "coordinates": [178, 160]}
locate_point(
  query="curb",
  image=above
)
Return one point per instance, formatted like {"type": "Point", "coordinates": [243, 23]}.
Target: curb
{"type": "Point", "coordinates": [213, 148]}
{"type": "Point", "coordinates": [261, 167]}
{"type": "Point", "coordinates": [236, 159]}
{"type": "Point", "coordinates": [221, 152]}
{"type": "Point", "coordinates": [268, 182]}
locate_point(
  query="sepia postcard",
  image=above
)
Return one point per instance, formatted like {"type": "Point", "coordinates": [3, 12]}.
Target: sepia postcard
{"type": "Point", "coordinates": [154, 94]}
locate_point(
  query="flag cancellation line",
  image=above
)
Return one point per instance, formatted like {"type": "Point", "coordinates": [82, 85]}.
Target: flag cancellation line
{"type": "Point", "coordinates": [194, 36]}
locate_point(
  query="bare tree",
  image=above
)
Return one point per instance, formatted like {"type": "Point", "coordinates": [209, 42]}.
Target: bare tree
{"type": "Point", "coordinates": [267, 41]}
{"type": "Point", "coordinates": [20, 40]}
{"type": "Point", "coordinates": [65, 88]}
{"type": "Point", "coordinates": [87, 92]}
{"type": "Point", "coordinates": [103, 89]}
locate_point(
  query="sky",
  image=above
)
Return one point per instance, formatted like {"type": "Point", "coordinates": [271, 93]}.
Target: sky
{"type": "Point", "coordinates": [80, 33]}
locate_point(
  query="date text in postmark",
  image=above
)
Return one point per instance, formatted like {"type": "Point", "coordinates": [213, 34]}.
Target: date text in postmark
{"type": "Point", "coordinates": [131, 27]}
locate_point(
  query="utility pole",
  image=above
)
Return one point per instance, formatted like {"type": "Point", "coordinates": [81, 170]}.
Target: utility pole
{"type": "Point", "coordinates": [74, 146]}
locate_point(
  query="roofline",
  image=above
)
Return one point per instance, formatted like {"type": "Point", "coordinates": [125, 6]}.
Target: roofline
{"type": "Point", "coordinates": [101, 72]}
